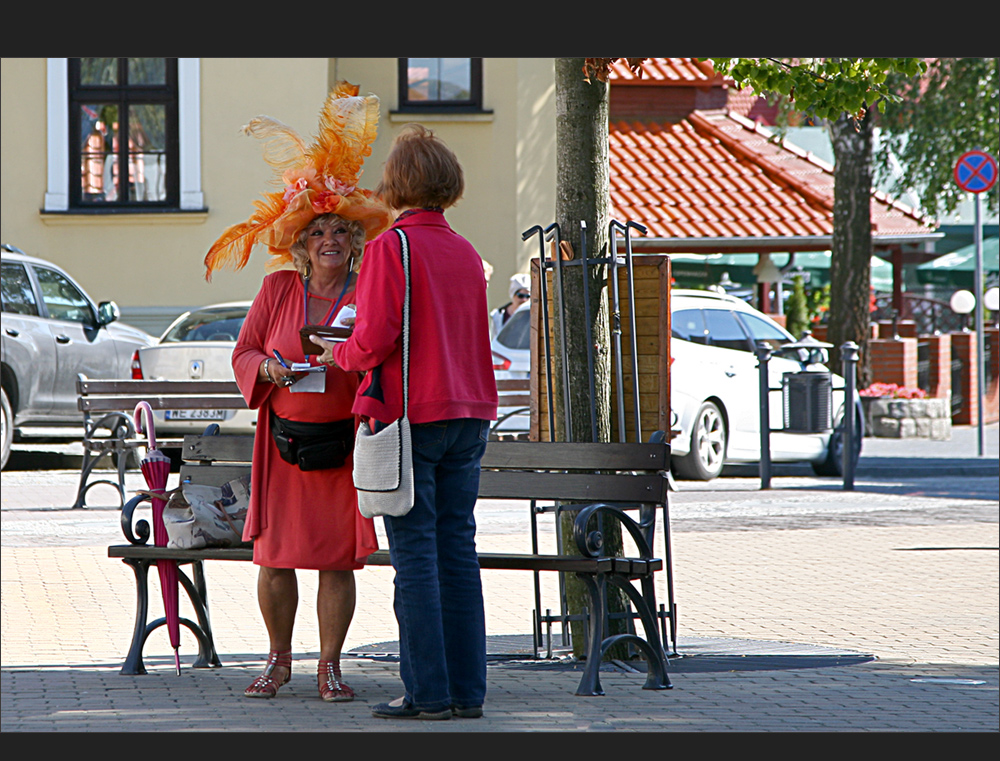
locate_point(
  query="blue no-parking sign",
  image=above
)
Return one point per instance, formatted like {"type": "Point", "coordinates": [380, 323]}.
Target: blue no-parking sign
{"type": "Point", "coordinates": [976, 171]}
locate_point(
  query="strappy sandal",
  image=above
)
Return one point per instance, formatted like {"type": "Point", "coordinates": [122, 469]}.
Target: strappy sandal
{"type": "Point", "coordinates": [333, 690]}
{"type": "Point", "coordinates": [266, 686]}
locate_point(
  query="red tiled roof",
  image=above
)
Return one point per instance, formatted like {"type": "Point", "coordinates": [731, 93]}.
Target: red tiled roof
{"type": "Point", "coordinates": [672, 71]}
{"type": "Point", "coordinates": [715, 175]}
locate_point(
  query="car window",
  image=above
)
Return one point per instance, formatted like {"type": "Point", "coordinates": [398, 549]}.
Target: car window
{"type": "Point", "coordinates": [762, 330]}
{"type": "Point", "coordinates": [18, 298]}
{"type": "Point", "coordinates": [688, 325]}
{"type": "Point", "coordinates": [516, 332]}
{"type": "Point", "coordinates": [63, 299]}
{"type": "Point", "coordinates": [214, 325]}
{"type": "Point", "coordinates": [725, 331]}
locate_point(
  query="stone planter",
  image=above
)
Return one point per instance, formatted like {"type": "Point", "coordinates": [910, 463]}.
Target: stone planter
{"type": "Point", "coordinates": [890, 418]}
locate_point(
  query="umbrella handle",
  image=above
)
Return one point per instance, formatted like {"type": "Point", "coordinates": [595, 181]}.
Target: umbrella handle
{"type": "Point", "coordinates": [142, 409]}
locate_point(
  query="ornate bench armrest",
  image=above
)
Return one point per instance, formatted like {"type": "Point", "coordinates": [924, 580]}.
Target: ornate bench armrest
{"type": "Point", "coordinates": [591, 542]}
{"type": "Point", "coordinates": [127, 517]}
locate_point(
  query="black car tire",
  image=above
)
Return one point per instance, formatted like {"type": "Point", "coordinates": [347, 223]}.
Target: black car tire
{"type": "Point", "coordinates": [6, 428]}
{"type": "Point", "coordinates": [833, 465]}
{"type": "Point", "coordinates": [709, 439]}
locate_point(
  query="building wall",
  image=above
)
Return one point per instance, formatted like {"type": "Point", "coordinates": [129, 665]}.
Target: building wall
{"type": "Point", "coordinates": [152, 264]}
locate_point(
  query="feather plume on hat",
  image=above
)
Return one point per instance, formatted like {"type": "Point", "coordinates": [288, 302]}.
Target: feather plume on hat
{"type": "Point", "coordinates": [317, 178]}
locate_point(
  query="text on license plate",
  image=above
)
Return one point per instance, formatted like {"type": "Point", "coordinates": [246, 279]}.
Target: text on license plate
{"type": "Point", "coordinates": [195, 415]}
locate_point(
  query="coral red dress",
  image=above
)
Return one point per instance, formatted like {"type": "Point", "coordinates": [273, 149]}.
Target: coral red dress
{"type": "Point", "coordinates": [297, 519]}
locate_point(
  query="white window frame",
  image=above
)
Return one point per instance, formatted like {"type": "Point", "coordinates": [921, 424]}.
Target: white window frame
{"type": "Point", "coordinates": [189, 135]}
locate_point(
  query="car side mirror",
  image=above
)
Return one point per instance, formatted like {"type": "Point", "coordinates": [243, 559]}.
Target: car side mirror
{"type": "Point", "coordinates": [107, 312]}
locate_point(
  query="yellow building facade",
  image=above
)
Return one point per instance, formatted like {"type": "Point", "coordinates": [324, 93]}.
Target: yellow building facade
{"type": "Point", "coordinates": [151, 262]}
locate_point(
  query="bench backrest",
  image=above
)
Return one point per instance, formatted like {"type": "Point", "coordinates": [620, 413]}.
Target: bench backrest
{"type": "Point", "coordinates": [124, 395]}
{"type": "Point", "coordinates": [602, 472]}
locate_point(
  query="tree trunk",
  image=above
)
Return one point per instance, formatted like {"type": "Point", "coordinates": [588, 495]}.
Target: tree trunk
{"type": "Point", "coordinates": [583, 195]}
{"type": "Point", "coordinates": [851, 255]}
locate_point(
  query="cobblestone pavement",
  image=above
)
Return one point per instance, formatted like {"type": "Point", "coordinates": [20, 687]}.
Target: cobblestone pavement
{"type": "Point", "coordinates": [802, 608]}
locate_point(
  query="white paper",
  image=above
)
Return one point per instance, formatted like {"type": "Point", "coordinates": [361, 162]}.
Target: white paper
{"type": "Point", "coordinates": [346, 313]}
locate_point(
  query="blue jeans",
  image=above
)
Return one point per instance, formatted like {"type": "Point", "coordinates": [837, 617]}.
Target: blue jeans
{"type": "Point", "coordinates": [438, 591]}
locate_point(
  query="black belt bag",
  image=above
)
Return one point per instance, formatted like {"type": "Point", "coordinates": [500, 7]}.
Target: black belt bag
{"type": "Point", "coordinates": [313, 446]}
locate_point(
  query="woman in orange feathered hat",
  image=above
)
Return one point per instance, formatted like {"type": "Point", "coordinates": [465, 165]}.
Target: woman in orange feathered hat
{"type": "Point", "coordinates": [303, 506]}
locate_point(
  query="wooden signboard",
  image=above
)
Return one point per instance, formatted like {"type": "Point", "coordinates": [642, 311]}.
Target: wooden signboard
{"type": "Point", "coordinates": [651, 288]}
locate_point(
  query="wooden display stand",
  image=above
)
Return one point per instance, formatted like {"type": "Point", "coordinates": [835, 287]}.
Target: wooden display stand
{"type": "Point", "coordinates": [651, 287]}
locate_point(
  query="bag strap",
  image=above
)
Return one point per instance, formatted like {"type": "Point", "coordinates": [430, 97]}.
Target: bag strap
{"type": "Point", "coordinates": [405, 254]}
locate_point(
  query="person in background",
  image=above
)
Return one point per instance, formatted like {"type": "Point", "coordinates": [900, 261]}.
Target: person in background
{"type": "Point", "coordinates": [438, 597]}
{"type": "Point", "coordinates": [520, 292]}
{"type": "Point", "coordinates": [303, 509]}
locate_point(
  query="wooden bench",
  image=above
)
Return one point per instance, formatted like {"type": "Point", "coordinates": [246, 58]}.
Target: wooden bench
{"type": "Point", "coordinates": [604, 481]}
{"type": "Point", "coordinates": [109, 431]}
{"type": "Point", "coordinates": [514, 395]}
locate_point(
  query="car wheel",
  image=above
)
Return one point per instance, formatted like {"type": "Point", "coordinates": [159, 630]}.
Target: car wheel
{"type": "Point", "coordinates": [833, 465]}
{"type": "Point", "coordinates": [6, 428]}
{"type": "Point", "coordinates": [705, 458]}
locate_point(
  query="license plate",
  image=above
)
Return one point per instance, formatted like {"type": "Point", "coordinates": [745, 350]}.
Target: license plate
{"type": "Point", "coordinates": [195, 415]}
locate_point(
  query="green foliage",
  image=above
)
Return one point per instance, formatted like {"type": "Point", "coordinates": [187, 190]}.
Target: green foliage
{"type": "Point", "coordinates": [953, 108]}
{"type": "Point", "coordinates": [797, 311]}
{"type": "Point", "coordinates": [824, 88]}
{"type": "Point", "coordinates": [818, 303]}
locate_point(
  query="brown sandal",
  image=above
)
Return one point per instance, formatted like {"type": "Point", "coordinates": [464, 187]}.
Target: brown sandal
{"type": "Point", "coordinates": [333, 690]}
{"type": "Point", "coordinates": [266, 686]}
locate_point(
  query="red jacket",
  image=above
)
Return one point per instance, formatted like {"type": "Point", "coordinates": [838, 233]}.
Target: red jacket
{"type": "Point", "coordinates": [451, 366]}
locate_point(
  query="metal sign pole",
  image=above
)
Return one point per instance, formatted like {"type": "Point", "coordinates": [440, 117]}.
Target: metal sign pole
{"type": "Point", "coordinates": [980, 335]}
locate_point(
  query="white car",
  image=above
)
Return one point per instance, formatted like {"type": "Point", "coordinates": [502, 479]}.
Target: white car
{"type": "Point", "coordinates": [512, 359]}
{"type": "Point", "coordinates": [198, 345]}
{"type": "Point", "coordinates": [715, 390]}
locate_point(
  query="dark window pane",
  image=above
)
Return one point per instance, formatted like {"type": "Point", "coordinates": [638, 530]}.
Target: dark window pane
{"type": "Point", "coordinates": [688, 325]}
{"type": "Point", "coordinates": [439, 79]}
{"type": "Point", "coordinates": [98, 164]}
{"type": "Point", "coordinates": [762, 330]}
{"type": "Point", "coordinates": [725, 331]}
{"type": "Point", "coordinates": [215, 325]}
{"type": "Point", "coordinates": [147, 153]}
{"type": "Point", "coordinates": [147, 71]}
{"type": "Point", "coordinates": [63, 299]}
{"type": "Point", "coordinates": [18, 298]}
{"type": "Point", "coordinates": [98, 71]}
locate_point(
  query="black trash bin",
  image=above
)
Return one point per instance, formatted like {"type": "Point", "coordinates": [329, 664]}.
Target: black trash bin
{"type": "Point", "coordinates": [807, 401]}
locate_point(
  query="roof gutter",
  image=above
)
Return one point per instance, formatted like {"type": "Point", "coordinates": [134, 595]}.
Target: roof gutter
{"type": "Point", "coordinates": [769, 243]}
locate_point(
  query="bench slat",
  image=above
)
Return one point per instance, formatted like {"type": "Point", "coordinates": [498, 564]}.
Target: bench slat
{"type": "Point", "coordinates": [573, 486]}
{"type": "Point", "coordinates": [487, 560]}
{"type": "Point", "coordinates": [128, 403]}
{"type": "Point", "coordinates": [90, 386]}
{"type": "Point", "coordinates": [228, 448]}
{"type": "Point", "coordinates": [547, 455]}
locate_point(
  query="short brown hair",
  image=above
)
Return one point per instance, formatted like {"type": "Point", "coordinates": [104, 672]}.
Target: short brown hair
{"type": "Point", "coordinates": [420, 171]}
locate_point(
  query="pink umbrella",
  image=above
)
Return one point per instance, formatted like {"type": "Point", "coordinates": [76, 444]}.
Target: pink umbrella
{"type": "Point", "coordinates": [156, 468]}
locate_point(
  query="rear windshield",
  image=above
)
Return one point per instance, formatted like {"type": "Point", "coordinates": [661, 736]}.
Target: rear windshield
{"type": "Point", "coordinates": [208, 325]}
{"type": "Point", "coordinates": [516, 332]}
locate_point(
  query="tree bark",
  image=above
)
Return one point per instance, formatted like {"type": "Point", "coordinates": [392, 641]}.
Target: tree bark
{"type": "Point", "coordinates": [583, 195]}
{"type": "Point", "coordinates": [850, 262]}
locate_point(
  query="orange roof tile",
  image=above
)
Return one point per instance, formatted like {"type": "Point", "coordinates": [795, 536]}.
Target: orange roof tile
{"type": "Point", "coordinates": [673, 71]}
{"type": "Point", "coordinates": [715, 176]}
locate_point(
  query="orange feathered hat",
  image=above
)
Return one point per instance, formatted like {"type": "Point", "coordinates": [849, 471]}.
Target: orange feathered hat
{"type": "Point", "coordinates": [321, 178]}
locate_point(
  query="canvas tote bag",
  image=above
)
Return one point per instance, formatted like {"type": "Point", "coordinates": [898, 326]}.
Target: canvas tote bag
{"type": "Point", "coordinates": [383, 461]}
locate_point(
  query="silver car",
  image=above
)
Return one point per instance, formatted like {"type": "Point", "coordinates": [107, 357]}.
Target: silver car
{"type": "Point", "coordinates": [198, 345]}
{"type": "Point", "coordinates": [53, 331]}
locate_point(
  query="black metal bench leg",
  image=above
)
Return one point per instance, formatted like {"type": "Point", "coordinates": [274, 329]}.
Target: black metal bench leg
{"type": "Point", "coordinates": [198, 594]}
{"type": "Point", "coordinates": [133, 661]}
{"type": "Point", "coordinates": [590, 682]}
{"type": "Point", "coordinates": [645, 606]}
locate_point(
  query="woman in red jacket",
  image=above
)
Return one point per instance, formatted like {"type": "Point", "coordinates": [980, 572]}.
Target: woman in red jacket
{"type": "Point", "coordinates": [452, 399]}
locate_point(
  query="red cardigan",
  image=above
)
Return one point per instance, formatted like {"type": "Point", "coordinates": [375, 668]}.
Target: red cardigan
{"type": "Point", "coordinates": [451, 366]}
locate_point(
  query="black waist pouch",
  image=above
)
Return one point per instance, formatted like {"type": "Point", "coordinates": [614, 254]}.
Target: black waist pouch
{"type": "Point", "coordinates": [313, 446]}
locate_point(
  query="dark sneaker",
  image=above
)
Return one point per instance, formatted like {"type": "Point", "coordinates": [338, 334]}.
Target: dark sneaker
{"type": "Point", "coordinates": [400, 708]}
{"type": "Point", "coordinates": [472, 712]}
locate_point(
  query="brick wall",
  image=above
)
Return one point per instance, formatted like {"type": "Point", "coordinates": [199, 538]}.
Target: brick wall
{"type": "Point", "coordinates": [940, 361]}
{"type": "Point", "coordinates": [893, 361]}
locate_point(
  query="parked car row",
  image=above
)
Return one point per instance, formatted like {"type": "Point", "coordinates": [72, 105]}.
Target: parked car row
{"type": "Point", "coordinates": [52, 331]}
